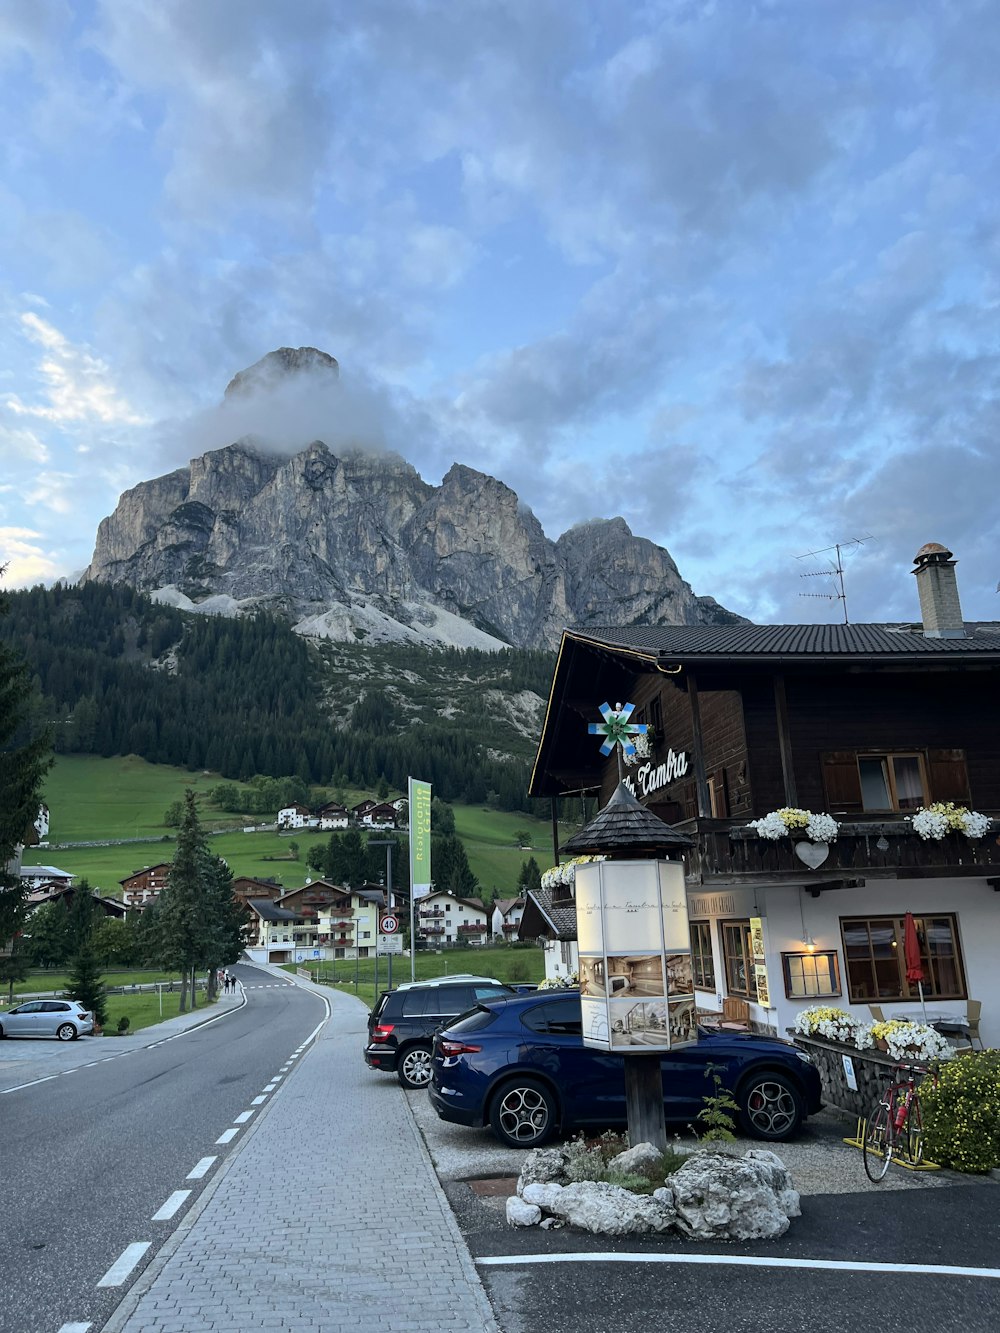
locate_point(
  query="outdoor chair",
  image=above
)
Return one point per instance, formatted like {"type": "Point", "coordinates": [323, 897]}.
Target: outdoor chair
{"type": "Point", "coordinates": [973, 1010]}
{"type": "Point", "coordinates": [735, 1015]}
{"type": "Point", "coordinates": [876, 1012]}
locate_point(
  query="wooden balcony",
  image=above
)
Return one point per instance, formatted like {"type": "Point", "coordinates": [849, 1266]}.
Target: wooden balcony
{"type": "Point", "coordinates": [727, 850]}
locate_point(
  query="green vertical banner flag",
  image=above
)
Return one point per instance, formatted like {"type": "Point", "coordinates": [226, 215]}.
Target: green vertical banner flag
{"type": "Point", "coordinates": [419, 794]}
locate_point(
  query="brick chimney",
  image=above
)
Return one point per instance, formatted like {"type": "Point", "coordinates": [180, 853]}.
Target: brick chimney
{"type": "Point", "coordinates": [940, 609]}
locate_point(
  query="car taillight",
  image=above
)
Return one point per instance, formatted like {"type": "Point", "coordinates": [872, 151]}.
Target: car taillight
{"type": "Point", "coordinates": [456, 1048]}
{"type": "Point", "coordinates": [382, 1031]}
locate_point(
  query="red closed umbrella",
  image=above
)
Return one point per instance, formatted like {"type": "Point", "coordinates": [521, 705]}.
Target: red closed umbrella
{"type": "Point", "coordinates": [914, 962]}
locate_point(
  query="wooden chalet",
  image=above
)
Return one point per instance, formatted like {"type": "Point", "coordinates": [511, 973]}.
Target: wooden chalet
{"type": "Point", "coordinates": [866, 723]}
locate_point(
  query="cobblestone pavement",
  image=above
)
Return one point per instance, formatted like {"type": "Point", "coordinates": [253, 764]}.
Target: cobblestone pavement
{"type": "Point", "coordinates": [329, 1218]}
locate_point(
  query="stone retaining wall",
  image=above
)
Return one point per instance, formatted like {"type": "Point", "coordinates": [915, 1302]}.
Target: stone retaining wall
{"type": "Point", "coordinates": [871, 1070]}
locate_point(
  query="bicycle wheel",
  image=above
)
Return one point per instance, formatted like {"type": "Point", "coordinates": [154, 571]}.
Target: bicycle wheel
{"type": "Point", "coordinates": [876, 1149]}
{"type": "Point", "coordinates": [911, 1137]}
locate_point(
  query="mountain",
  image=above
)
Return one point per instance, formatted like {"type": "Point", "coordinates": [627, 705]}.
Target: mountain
{"type": "Point", "coordinates": [356, 546]}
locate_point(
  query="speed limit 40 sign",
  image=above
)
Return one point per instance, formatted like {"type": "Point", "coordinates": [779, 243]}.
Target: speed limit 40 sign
{"type": "Point", "coordinates": [389, 924]}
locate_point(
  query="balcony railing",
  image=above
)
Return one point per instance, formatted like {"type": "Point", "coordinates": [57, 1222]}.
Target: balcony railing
{"type": "Point", "coordinates": [470, 929]}
{"type": "Point", "coordinates": [726, 849]}
{"type": "Point", "coordinates": [432, 930]}
{"type": "Point", "coordinates": [426, 913]}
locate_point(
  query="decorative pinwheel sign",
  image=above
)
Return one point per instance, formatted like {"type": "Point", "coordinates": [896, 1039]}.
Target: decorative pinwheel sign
{"type": "Point", "coordinates": [617, 729]}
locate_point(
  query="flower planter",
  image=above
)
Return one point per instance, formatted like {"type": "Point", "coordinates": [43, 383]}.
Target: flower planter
{"type": "Point", "coordinates": [870, 1067]}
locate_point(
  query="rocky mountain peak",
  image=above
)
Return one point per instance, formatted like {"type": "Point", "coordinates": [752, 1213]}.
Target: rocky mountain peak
{"type": "Point", "coordinates": [355, 545]}
{"type": "Point", "coordinates": [281, 365]}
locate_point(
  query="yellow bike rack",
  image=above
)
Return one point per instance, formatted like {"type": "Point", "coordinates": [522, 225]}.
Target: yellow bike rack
{"type": "Point", "coordinates": [859, 1142]}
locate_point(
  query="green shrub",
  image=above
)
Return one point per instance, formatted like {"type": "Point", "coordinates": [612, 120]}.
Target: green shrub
{"type": "Point", "coordinates": [718, 1114]}
{"type": "Point", "coordinates": [593, 1160]}
{"type": "Point", "coordinates": [123, 1025]}
{"type": "Point", "coordinates": [962, 1114]}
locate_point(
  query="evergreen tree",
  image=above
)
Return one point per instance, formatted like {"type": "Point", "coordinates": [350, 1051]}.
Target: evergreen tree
{"type": "Point", "coordinates": [24, 761]}
{"type": "Point", "coordinates": [86, 984]}
{"type": "Point", "coordinates": [177, 939]}
{"type": "Point", "coordinates": [529, 877]}
{"type": "Point", "coordinates": [225, 921]}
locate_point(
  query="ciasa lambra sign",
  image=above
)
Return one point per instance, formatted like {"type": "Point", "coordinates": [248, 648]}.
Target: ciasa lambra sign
{"type": "Point", "coordinates": [651, 777]}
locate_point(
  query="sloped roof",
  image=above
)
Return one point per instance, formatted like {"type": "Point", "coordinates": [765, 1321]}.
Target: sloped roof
{"type": "Point", "coordinates": [690, 642]}
{"type": "Point", "coordinates": [267, 911]}
{"type": "Point", "coordinates": [626, 827]}
{"type": "Point", "coordinates": [542, 916]}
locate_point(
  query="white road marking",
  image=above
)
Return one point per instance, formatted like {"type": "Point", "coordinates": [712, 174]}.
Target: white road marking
{"type": "Point", "coordinates": [124, 1264]}
{"type": "Point", "coordinates": [258, 1101]}
{"type": "Point", "coordinates": [171, 1206]}
{"type": "Point", "coordinates": [743, 1261]}
{"type": "Point", "coordinates": [270, 1087]}
{"type": "Point", "coordinates": [34, 1083]}
{"type": "Point", "coordinates": [243, 1117]}
{"type": "Point", "coordinates": [228, 1137]}
{"type": "Point", "coordinates": [202, 1168]}
{"type": "Point", "coordinates": [75, 1328]}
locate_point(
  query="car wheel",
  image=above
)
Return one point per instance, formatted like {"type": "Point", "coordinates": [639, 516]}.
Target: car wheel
{"type": "Point", "coordinates": [523, 1114]}
{"type": "Point", "coordinates": [414, 1070]}
{"type": "Point", "coordinates": [770, 1107]}
{"type": "Point", "coordinates": [66, 1032]}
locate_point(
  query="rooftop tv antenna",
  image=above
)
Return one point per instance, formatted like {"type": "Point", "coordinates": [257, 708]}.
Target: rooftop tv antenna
{"type": "Point", "coordinates": [835, 571]}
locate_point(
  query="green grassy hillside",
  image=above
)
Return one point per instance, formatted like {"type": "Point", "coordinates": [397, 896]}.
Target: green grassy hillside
{"type": "Point", "coordinates": [113, 800]}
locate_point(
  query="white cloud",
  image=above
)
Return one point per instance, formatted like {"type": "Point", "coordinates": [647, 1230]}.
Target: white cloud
{"type": "Point", "coordinates": [77, 384]}
{"type": "Point", "coordinates": [27, 559]}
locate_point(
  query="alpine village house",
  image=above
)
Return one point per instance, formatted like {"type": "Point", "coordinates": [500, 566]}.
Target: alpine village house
{"type": "Point", "coordinates": [865, 723]}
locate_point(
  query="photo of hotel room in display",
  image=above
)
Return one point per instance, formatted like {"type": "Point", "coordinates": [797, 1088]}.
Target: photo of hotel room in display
{"type": "Point", "coordinates": [680, 979]}
{"type": "Point", "coordinates": [638, 1023]}
{"type": "Point", "coordinates": [633, 975]}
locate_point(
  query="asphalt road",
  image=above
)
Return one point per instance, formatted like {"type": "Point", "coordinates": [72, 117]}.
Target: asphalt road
{"type": "Point", "coordinates": [91, 1156]}
{"type": "Point", "coordinates": [815, 1278]}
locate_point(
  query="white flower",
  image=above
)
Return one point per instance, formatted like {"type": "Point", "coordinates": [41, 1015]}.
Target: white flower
{"type": "Point", "coordinates": [564, 875]}
{"type": "Point", "coordinates": [643, 747]}
{"type": "Point", "coordinates": [935, 821]}
{"type": "Point", "coordinates": [793, 822]}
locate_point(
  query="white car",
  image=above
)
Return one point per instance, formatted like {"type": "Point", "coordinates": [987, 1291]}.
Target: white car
{"type": "Point", "coordinates": [65, 1019]}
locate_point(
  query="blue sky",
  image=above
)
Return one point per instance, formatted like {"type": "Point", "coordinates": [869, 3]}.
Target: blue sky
{"type": "Point", "coordinates": [727, 269]}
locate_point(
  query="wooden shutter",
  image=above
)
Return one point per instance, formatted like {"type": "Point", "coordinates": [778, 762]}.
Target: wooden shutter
{"type": "Point", "coordinates": [948, 776]}
{"type": "Point", "coordinates": [842, 781]}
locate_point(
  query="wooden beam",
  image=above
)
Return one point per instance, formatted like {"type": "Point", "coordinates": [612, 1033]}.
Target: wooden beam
{"type": "Point", "coordinates": [700, 776]}
{"type": "Point", "coordinates": [784, 740]}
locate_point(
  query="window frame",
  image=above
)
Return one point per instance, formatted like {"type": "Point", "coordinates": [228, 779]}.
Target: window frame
{"type": "Point", "coordinates": [702, 953]}
{"type": "Point", "coordinates": [906, 993]}
{"type": "Point", "coordinates": [888, 759]}
{"type": "Point", "coordinates": [746, 958]}
{"type": "Point", "coordinates": [832, 960]}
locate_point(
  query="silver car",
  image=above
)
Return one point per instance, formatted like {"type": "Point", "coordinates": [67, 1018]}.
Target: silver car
{"type": "Point", "coordinates": [64, 1019]}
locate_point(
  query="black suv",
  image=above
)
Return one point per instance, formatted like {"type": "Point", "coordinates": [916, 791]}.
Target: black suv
{"type": "Point", "coordinates": [402, 1024]}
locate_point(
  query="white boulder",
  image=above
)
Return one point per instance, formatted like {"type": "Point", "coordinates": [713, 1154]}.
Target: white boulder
{"type": "Point", "coordinates": [721, 1197]}
{"type": "Point", "coordinates": [521, 1214]}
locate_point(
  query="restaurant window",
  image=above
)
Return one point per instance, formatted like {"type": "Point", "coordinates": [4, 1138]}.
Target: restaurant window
{"type": "Point", "coordinates": [718, 794]}
{"type": "Point", "coordinates": [876, 963]}
{"type": "Point", "coordinates": [808, 975]}
{"type": "Point", "coordinates": [702, 962]}
{"type": "Point", "coordinates": [737, 955]}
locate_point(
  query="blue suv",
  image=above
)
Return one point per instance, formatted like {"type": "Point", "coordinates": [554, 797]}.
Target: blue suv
{"type": "Point", "coordinates": [520, 1066]}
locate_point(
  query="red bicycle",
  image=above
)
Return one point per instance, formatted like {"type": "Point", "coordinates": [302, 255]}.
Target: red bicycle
{"type": "Point", "coordinates": [895, 1127]}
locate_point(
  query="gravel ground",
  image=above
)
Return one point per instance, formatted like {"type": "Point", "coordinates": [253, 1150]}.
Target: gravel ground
{"type": "Point", "coordinates": [819, 1160]}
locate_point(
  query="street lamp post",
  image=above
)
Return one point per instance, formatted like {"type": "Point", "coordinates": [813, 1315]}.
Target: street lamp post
{"type": "Point", "coordinates": [388, 844]}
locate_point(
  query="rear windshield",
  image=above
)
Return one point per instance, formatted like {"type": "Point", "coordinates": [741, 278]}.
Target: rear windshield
{"type": "Point", "coordinates": [474, 1020]}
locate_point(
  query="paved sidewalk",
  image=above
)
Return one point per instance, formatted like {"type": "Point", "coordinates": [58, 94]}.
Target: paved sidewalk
{"type": "Point", "coordinates": [329, 1217]}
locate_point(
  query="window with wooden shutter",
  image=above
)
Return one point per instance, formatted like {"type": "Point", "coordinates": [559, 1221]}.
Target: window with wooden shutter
{"type": "Point", "coordinates": [948, 776]}
{"type": "Point", "coordinates": [842, 782]}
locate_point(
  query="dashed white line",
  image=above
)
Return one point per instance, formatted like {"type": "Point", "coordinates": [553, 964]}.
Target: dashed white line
{"type": "Point", "coordinates": [270, 1087]}
{"type": "Point", "coordinates": [171, 1206]}
{"type": "Point", "coordinates": [124, 1264]}
{"type": "Point", "coordinates": [75, 1328]}
{"type": "Point", "coordinates": [242, 1118]}
{"type": "Point", "coordinates": [227, 1137]}
{"type": "Point", "coordinates": [258, 1101]}
{"type": "Point", "coordinates": [202, 1168]}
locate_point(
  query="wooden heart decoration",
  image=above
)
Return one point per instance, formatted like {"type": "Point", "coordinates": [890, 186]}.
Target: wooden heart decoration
{"type": "Point", "coordinates": [813, 854]}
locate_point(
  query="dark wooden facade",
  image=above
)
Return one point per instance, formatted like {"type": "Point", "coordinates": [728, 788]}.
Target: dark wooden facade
{"type": "Point", "coordinates": [785, 727]}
